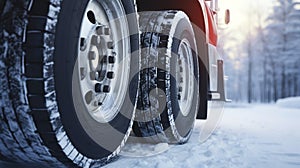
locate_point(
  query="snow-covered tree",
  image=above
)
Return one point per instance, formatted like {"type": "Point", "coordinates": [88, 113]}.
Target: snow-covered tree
{"type": "Point", "coordinates": [266, 65]}
{"type": "Point", "coordinates": [283, 36]}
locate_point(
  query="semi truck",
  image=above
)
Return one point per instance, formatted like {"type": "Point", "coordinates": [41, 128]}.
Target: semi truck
{"type": "Point", "coordinates": [78, 77]}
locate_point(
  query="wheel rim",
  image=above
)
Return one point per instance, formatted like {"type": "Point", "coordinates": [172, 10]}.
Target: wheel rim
{"type": "Point", "coordinates": [185, 77]}
{"type": "Point", "coordinates": [103, 60]}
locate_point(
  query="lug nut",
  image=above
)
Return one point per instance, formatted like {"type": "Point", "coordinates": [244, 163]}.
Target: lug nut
{"type": "Point", "coordinates": [181, 80]}
{"type": "Point", "coordinates": [102, 30]}
{"type": "Point", "coordinates": [100, 88]}
{"type": "Point", "coordinates": [110, 45]}
{"type": "Point", "coordinates": [179, 62]}
{"type": "Point", "coordinates": [92, 55]}
{"type": "Point", "coordinates": [94, 75]}
{"type": "Point", "coordinates": [111, 59]}
{"type": "Point", "coordinates": [110, 75]}
{"type": "Point", "coordinates": [179, 97]}
{"type": "Point", "coordinates": [180, 89]}
{"type": "Point", "coordinates": [106, 89]}
{"type": "Point", "coordinates": [82, 73]}
{"type": "Point", "coordinates": [106, 31]}
{"type": "Point", "coordinates": [82, 44]}
{"type": "Point", "coordinates": [95, 40]}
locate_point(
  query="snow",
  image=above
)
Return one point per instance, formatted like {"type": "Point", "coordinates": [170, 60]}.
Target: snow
{"type": "Point", "coordinates": [292, 102]}
{"type": "Point", "coordinates": [257, 136]}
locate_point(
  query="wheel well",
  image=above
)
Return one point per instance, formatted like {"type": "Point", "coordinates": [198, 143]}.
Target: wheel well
{"type": "Point", "coordinates": [191, 7]}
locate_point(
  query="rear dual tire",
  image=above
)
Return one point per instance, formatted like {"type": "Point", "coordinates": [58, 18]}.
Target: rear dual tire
{"type": "Point", "coordinates": [168, 94]}
{"type": "Point", "coordinates": [45, 116]}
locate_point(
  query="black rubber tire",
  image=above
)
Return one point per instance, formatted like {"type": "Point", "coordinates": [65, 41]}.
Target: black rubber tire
{"type": "Point", "coordinates": [38, 121]}
{"type": "Point", "coordinates": [158, 118]}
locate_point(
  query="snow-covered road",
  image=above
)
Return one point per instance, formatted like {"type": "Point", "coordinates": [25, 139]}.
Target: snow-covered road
{"type": "Point", "coordinates": [258, 136]}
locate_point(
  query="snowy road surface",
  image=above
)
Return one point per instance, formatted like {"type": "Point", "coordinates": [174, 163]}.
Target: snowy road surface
{"type": "Point", "coordinates": [257, 136]}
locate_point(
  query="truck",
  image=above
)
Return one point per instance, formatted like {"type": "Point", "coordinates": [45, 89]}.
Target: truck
{"type": "Point", "coordinates": [79, 77]}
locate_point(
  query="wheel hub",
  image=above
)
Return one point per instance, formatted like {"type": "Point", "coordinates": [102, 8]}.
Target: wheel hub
{"type": "Point", "coordinates": [99, 68]}
{"type": "Point", "coordinates": [103, 64]}
{"type": "Point", "coordinates": [185, 77]}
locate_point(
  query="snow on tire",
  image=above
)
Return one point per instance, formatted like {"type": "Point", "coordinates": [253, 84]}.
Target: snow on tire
{"type": "Point", "coordinates": [169, 90]}
{"type": "Point", "coordinates": [40, 42]}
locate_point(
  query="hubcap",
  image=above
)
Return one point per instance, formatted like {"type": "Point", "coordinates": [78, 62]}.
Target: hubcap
{"type": "Point", "coordinates": [103, 60]}
{"type": "Point", "coordinates": [185, 76]}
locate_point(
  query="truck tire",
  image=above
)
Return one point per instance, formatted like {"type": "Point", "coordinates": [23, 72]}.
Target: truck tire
{"type": "Point", "coordinates": [169, 90]}
{"type": "Point", "coordinates": [55, 110]}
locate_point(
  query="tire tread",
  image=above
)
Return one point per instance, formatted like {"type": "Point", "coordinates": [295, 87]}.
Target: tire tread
{"type": "Point", "coordinates": [28, 132]}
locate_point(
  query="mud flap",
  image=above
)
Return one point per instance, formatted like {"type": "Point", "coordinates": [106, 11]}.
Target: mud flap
{"type": "Point", "coordinates": [219, 95]}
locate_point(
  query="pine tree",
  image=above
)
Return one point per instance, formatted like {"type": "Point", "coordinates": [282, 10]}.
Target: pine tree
{"type": "Point", "coordinates": [283, 35]}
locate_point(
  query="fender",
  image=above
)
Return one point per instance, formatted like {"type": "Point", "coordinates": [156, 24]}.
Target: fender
{"type": "Point", "coordinates": [212, 27]}
{"type": "Point", "coordinates": [208, 22]}
{"type": "Point", "coordinates": [198, 12]}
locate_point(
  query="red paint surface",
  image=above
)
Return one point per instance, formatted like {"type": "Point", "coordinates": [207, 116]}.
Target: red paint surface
{"type": "Point", "coordinates": [213, 36]}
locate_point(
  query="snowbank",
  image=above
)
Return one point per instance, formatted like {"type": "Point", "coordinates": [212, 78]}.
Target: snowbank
{"type": "Point", "coordinates": [292, 102]}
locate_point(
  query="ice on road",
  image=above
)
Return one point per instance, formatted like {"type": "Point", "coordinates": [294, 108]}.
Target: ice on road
{"type": "Point", "coordinates": [257, 136]}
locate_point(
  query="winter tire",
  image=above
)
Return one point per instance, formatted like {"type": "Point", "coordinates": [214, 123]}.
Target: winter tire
{"type": "Point", "coordinates": [169, 91]}
{"type": "Point", "coordinates": [68, 83]}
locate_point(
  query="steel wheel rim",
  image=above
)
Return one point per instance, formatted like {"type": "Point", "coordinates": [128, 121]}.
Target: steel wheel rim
{"type": "Point", "coordinates": [103, 59]}
{"type": "Point", "coordinates": [185, 77]}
